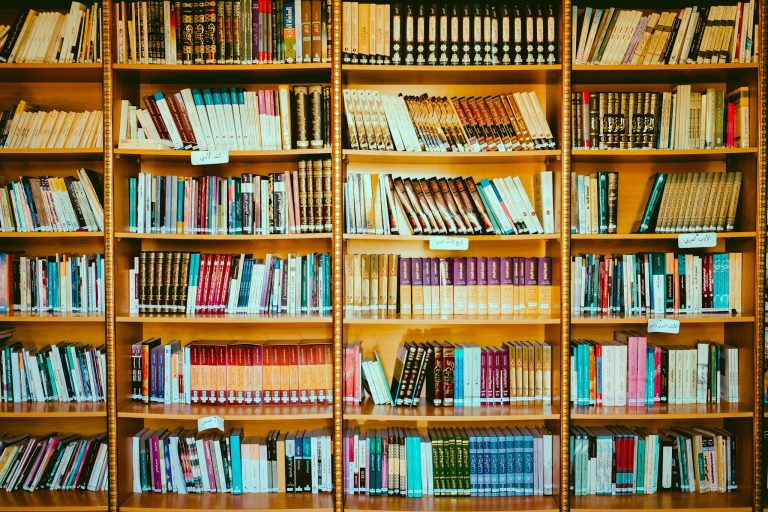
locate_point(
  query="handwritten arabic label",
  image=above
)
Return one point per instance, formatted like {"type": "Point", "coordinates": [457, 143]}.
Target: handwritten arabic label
{"type": "Point", "coordinates": [218, 156]}
{"type": "Point", "coordinates": [664, 325]}
{"type": "Point", "coordinates": [448, 243]}
{"type": "Point", "coordinates": [209, 422]}
{"type": "Point", "coordinates": [693, 240]}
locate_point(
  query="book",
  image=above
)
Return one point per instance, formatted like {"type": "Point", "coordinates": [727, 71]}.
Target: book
{"type": "Point", "coordinates": [53, 36]}
{"type": "Point", "coordinates": [190, 283]}
{"type": "Point", "coordinates": [30, 127]}
{"type": "Point", "coordinates": [231, 372]}
{"type": "Point", "coordinates": [594, 204]}
{"type": "Point", "coordinates": [504, 122]}
{"type": "Point", "coordinates": [652, 284]}
{"type": "Point", "coordinates": [229, 118]}
{"type": "Point", "coordinates": [455, 462]}
{"type": "Point", "coordinates": [295, 201]}
{"type": "Point", "coordinates": [186, 461]}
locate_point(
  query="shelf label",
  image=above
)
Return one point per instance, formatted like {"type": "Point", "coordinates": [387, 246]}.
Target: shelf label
{"type": "Point", "coordinates": [694, 240]}
{"type": "Point", "coordinates": [664, 325]}
{"type": "Point", "coordinates": [449, 243]}
{"type": "Point", "coordinates": [217, 156]}
{"type": "Point", "coordinates": [209, 422]}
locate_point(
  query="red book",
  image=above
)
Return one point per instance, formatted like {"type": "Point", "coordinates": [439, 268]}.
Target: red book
{"type": "Point", "coordinates": [194, 362]}
{"type": "Point", "coordinates": [504, 356]}
{"type": "Point", "coordinates": [231, 373]}
{"type": "Point", "coordinates": [327, 370]}
{"type": "Point", "coordinates": [483, 376]}
{"type": "Point", "coordinates": [497, 371]}
{"type": "Point", "coordinates": [221, 373]}
{"type": "Point", "coordinates": [258, 370]}
{"type": "Point", "coordinates": [730, 126]}
{"type": "Point", "coordinates": [313, 359]}
{"type": "Point", "coordinates": [293, 354]}
{"type": "Point", "coordinates": [268, 369]}
{"type": "Point", "coordinates": [224, 290]}
{"type": "Point", "coordinates": [202, 281]}
{"type": "Point", "coordinates": [599, 353]}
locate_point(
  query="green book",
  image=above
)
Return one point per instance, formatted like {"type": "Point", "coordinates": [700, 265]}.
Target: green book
{"type": "Point", "coordinates": [652, 206]}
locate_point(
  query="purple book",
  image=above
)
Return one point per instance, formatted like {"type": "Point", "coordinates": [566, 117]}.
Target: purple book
{"type": "Point", "coordinates": [154, 457]}
{"type": "Point", "coordinates": [255, 36]}
{"type": "Point", "coordinates": [494, 274]}
{"type": "Point", "coordinates": [545, 285]}
{"type": "Point", "coordinates": [482, 285]}
{"type": "Point", "coordinates": [405, 271]}
{"type": "Point", "coordinates": [435, 271]}
{"type": "Point", "coordinates": [417, 285]}
{"type": "Point", "coordinates": [494, 290]}
{"type": "Point", "coordinates": [507, 295]}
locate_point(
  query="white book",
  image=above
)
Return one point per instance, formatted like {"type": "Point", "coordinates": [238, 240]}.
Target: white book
{"type": "Point", "coordinates": [135, 445]}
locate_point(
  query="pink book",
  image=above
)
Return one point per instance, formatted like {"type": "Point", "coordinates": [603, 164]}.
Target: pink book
{"type": "Point", "coordinates": [483, 375]}
{"type": "Point", "coordinates": [657, 375]}
{"type": "Point", "coordinates": [599, 389]}
{"type": "Point", "coordinates": [384, 464]}
{"type": "Point", "coordinates": [636, 36]}
{"type": "Point", "coordinates": [631, 342]}
{"type": "Point", "coordinates": [504, 355]}
{"type": "Point", "coordinates": [497, 369]}
{"type": "Point", "coordinates": [154, 457]}
{"type": "Point", "coordinates": [209, 464]}
{"type": "Point", "coordinates": [642, 350]}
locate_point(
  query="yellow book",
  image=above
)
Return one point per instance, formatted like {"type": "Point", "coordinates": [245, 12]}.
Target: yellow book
{"type": "Point", "coordinates": [383, 283]}
{"type": "Point", "coordinates": [546, 388]}
{"type": "Point", "coordinates": [363, 36]}
{"type": "Point", "coordinates": [406, 289]}
{"type": "Point", "coordinates": [470, 272]}
{"type": "Point", "coordinates": [357, 292]}
{"type": "Point", "coordinates": [507, 286]}
{"type": "Point", "coordinates": [373, 294]}
{"type": "Point", "coordinates": [349, 283]}
{"type": "Point", "coordinates": [393, 267]}
{"type": "Point", "coordinates": [426, 278]}
{"type": "Point", "coordinates": [447, 287]}
{"type": "Point", "coordinates": [531, 288]}
{"type": "Point", "coordinates": [538, 355]}
{"type": "Point", "coordinates": [365, 285]}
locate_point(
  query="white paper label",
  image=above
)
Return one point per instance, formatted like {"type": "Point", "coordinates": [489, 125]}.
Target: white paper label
{"type": "Point", "coordinates": [448, 243]}
{"type": "Point", "coordinates": [665, 325]}
{"type": "Point", "coordinates": [209, 422]}
{"type": "Point", "coordinates": [693, 240]}
{"type": "Point", "coordinates": [218, 156]}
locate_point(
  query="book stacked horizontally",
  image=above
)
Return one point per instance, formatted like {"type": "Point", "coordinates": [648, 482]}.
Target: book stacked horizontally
{"type": "Point", "coordinates": [251, 373]}
{"type": "Point", "coordinates": [392, 205]}
{"type": "Point", "coordinates": [504, 122]}
{"type": "Point", "coordinates": [229, 118]}
{"type": "Point", "coordinates": [26, 127]}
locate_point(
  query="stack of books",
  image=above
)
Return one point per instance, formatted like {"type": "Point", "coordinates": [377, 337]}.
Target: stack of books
{"type": "Point", "coordinates": [656, 283]}
{"type": "Point", "coordinates": [62, 283]}
{"type": "Point", "coordinates": [53, 37]}
{"type": "Point", "coordinates": [617, 460]}
{"type": "Point", "coordinates": [387, 205]}
{"type": "Point", "coordinates": [296, 201]}
{"type": "Point", "coordinates": [631, 372]}
{"type": "Point", "coordinates": [449, 33]}
{"type": "Point", "coordinates": [594, 203]}
{"type": "Point", "coordinates": [690, 35]}
{"type": "Point", "coordinates": [455, 462]}
{"type": "Point", "coordinates": [194, 283]}
{"type": "Point", "coordinates": [229, 118]}
{"type": "Point", "coordinates": [223, 32]}
{"type": "Point", "coordinates": [504, 122]}
{"type": "Point", "coordinates": [231, 372]}
{"type": "Point", "coordinates": [51, 203]}
{"type": "Point", "coordinates": [26, 127]}
{"type": "Point", "coordinates": [184, 461]}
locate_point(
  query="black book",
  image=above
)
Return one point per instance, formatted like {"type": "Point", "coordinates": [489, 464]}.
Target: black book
{"type": "Point", "coordinates": [667, 53]}
{"type": "Point", "coordinates": [90, 460]}
{"type": "Point", "coordinates": [540, 36]}
{"type": "Point", "coordinates": [551, 28]}
{"type": "Point", "coordinates": [494, 35]}
{"type": "Point", "coordinates": [518, 36]}
{"type": "Point", "coordinates": [530, 36]}
{"type": "Point", "coordinates": [477, 34]}
{"type": "Point", "coordinates": [443, 29]}
{"type": "Point", "coordinates": [410, 36]}
{"type": "Point", "coordinates": [505, 35]}
{"type": "Point", "coordinates": [421, 34]}
{"type": "Point", "coordinates": [13, 35]}
{"type": "Point", "coordinates": [432, 34]}
{"type": "Point", "coordinates": [454, 33]}
{"type": "Point", "coordinates": [396, 33]}
{"type": "Point", "coordinates": [466, 34]}
{"type": "Point", "coordinates": [487, 35]}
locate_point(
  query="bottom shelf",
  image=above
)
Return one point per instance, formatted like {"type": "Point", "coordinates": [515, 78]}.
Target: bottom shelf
{"type": "Point", "coordinates": [150, 502]}
{"type": "Point", "coordinates": [63, 501]}
{"type": "Point", "coordinates": [383, 503]}
{"type": "Point", "coordinates": [739, 500]}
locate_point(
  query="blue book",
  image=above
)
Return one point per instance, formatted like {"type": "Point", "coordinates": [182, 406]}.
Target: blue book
{"type": "Point", "coordinates": [527, 463]}
{"type": "Point", "coordinates": [493, 441]}
{"type": "Point", "coordinates": [598, 373]}
{"type": "Point", "coordinates": [650, 371]}
{"type": "Point", "coordinates": [640, 487]}
{"type": "Point", "coordinates": [166, 443]}
{"type": "Point", "coordinates": [298, 461]}
{"type": "Point", "coordinates": [307, 458]}
{"type": "Point", "coordinates": [235, 437]}
{"type": "Point", "coordinates": [509, 463]}
{"type": "Point", "coordinates": [132, 200]}
{"type": "Point", "coordinates": [473, 463]}
{"type": "Point", "coordinates": [179, 204]}
{"type": "Point", "coordinates": [681, 273]}
{"type": "Point", "coordinates": [458, 381]}
{"type": "Point", "coordinates": [518, 456]}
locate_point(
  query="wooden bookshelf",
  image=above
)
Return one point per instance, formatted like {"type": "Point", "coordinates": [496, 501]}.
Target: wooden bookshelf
{"type": "Point", "coordinates": [399, 504]}
{"type": "Point", "coordinates": [150, 502]}
{"type": "Point", "coordinates": [368, 411]}
{"type": "Point", "coordinates": [54, 501]}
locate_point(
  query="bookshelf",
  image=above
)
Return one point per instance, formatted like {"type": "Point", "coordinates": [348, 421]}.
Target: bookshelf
{"type": "Point", "coordinates": [103, 86]}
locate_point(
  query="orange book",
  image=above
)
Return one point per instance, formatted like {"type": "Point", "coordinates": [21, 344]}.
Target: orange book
{"type": "Point", "coordinates": [293, 373]}
{"type": "Point", "coordinates": [284, 362]}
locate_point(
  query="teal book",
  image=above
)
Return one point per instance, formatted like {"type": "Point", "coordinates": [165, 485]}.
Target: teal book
{"type": "Point", "coordinates": [132, 201]}
{"type": "Point", "coordinates": [235, 437]}
{"type": "Point", "coordinates": [654, 200]}
{"type": "Point", "coordinates": [491, 214]}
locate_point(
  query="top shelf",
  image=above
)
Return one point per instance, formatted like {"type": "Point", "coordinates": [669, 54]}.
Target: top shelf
{"type": "Point", "coordinates": [661, 73]}
{"type": "Point", "coordinates": [231, 73]}
{"type": "Point", "coordinates": [389, 74]}
{"type": "Point", "coordinates": [52, 72]}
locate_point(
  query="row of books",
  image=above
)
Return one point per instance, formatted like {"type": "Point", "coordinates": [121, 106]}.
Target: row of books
{"type": "Point", "coordinates": [449, 33]}
{"type": "Point", "coordinates": [631, 372]}
{"type": "Point", "coordinates": [692, 202]}
{"type": "Point", "coordinates": [51, 203]}
{"type": "Point", "coordinates": [62, 283]}
{"type": "Point", "coordinates": [232, 373]}
{"type": "Point", "coordinates": [55, 462]}
{"type": "Point", "coordinates": [231, 118]}
{"type": "Point", "coordinates": [52, 37]}
{"type": "Point", "coordinates": [477, 462]}
{"type": "Point", "coordinates": [656, 283]}
{"type": "Point", "coordinates": [184, 461]}
{"type": "Point", "coordinates": [297, 201]}
{"type": "Point", "coordinates": [194, 283]}
{"type": "Point", "coordinates": [680, 119]}
{"type": "Point", "coordinates": [27, 127]}
{"type": "Point", "coordinates": [223, 32]}
{"type": "Point", "coordinates": [61, 372]}
{"type": "Point", "coordinates": [383, 204]}
{"type": "Point", "coordinates": [618, 460]}
{"type": "Point", "coordinates": [504, 122]}
{"type": "Point", "coordinates": [594, 202]}
{"type": "Point", "coordinates": [452, 374]}
{"type": "Point", "coordinates": [690, 35]}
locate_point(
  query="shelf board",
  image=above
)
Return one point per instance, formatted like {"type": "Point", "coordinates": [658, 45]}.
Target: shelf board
{"type": "Point", "coordinates": [170, 155]}
{"type": "Point", "coordinates": [665, 502]}
{"type": "Point", "coordinates": [355, 503]}
{"type": "Point", "coordinates": [386, 74]}
{"type": "Point", "coordinates": [47, 410]}
{"type": "Point", "coordinates": [175, 236]}
{"type": "Point", "coordinates": [222, 319]}
{"type": "Point", "coordinates": [48, 155]}
{"type": "Point", "coordinates": [367, 411]}
{"type": "Point", "coordinates": [52, 72]}
{"type": "Point", "coordinates": [657, 236]}
{"type": "Point", "coordinates": [53, 501]}
{"type": "Point", "coordinates": [471, 238]}
{"type": "Point", "coordinates": [429, 157]}
{"type": "Point", "coordinates": [656, 155]}
{"type": "Point", "coordinates": [450, 320]}
{"type": "Point", "coordinates": [660, 73]}
{"type": "Point", "coordinates": [302, 502]}
{"type": "Point", "coordinates": [52, 234]}
{"type": "Point", "coordinates": [21, 316]}
{"type": "Point", "coordinates": [228, 412]}
{"type": "Point", "coordinates": [169, 73]}
{"type": "Point", "coordinates": [704, 318]}
{"type": "Point", "coordinates": [664, 412]}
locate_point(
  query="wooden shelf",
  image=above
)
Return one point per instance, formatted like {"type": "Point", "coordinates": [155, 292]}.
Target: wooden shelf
{"type": "Point", "coordinates": [657, 236]}
{"type": "Point", "coordinates": [661, 73]}
{"type": "Point", "coordinates": [281, 155]}
{"type": "Point", "coordinates": [223, 319]}
{"type": "Point", "coordinates": [656, 155]}
{"type": "Point", "coordinates": [740, 500]}
{"type": "Point", "coordinates": [391, 74]}
{"type": "Point", "coordinates": [303, 502]}
{"type": "Point", "coordinates": [439, 504]}
{"type": "Point", "coordinates": [169, 73]}
{"type": "Point", "coordinates": [53, 501]}
{"type": "Point", "coordinates": [471, 238]}
{"type": "Point", "coordinates": [52, 72]}
{"type": "Point", "coordinates": [21, 316]}
{"type": "Point", "coordinates": [450, 320]}
{"type": "Point", "coordinates": [46, 410]}
{"type": "Point", "coordinates": [53, 234]}
{"type": "Point", "coordinates": [664, 412]}
{"type": "Point", "coordinates": [367, 411]}
{"type": "Point", "coordinates": [429, 157]}
{"type": "Point", "coordinates": [703, 318]}
{"type": "Point", "coordinates": [228, 412]}
{"type": "Point", "coordinates": [219, 238]}
{"type": "Point", "coordinates": [50, 155]}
